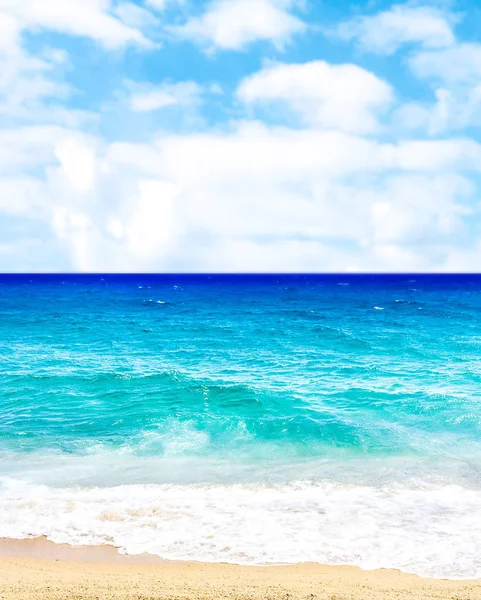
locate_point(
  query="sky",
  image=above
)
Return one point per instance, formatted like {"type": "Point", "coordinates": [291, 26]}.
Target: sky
{"type": "Point", "coordinates": [240, 136]}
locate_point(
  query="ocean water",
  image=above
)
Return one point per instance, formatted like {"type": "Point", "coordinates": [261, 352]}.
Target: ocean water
{"type": "Point", "coordinates": [252, 420]}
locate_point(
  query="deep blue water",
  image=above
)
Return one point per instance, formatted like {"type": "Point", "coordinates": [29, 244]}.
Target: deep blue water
{"type": "Point", "coordinates": [183, 415]}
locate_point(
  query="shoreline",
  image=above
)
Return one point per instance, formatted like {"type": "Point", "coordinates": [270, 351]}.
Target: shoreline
{"type": "Point", "coordinates": [43, 549]}
{"type": "Point", "coordinates": [41, 570]}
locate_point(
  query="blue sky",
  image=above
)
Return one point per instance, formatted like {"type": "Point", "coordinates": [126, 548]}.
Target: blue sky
{"type": "Point", "coordinates": [240, 135]}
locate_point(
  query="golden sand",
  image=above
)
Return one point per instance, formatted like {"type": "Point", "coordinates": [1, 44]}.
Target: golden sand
{"type": "Point", "coordinates": [40, 571]}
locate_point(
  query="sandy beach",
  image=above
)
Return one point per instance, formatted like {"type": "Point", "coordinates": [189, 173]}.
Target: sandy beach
{"type": "Point", "coordinates": [37, 569]}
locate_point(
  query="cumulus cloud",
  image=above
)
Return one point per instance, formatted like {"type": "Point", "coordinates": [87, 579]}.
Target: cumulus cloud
{"type": "Point", "coordinates": [450, 67]}
{"type": "Point", "coordinates": [148, 97]}
{"type": "Point", "coordinates": [89, 18]}
{"type": "Point", "coordinates": [24, 78]}
{"type": "Point", "coordinates": [152, 230]}
{"type": "Point", "coordinates": [452, 109]}
{"type": "Point", "coordinates": [459, 64]}
{"type": "Point", "coordinates": [77, 161]}
{"type": "Point", "coordinates": [32, 85]}
{"type": "Point", "coordinates": [332, 188]}
{"type": "Point", "coordinates": [9, 34]}
{"type": "Point", "coordinates": [387, 31]}
{"type": "Point", "coordinates": [253, 198]}
{"type": "Point", "coordinates": [26, 148]}
{"type": "Point", "coordinates": [455, 76]}
{"type": "Point", "coordinates": [134, 15]}
{"type": "Point", "coordinates": [234, 24]}
{"type": "Point", "coordinates": [157, 4]}
{"type": "Point", "coordinates": [344, 97]}
{"type": "Point", "coordinates": [31, 90]}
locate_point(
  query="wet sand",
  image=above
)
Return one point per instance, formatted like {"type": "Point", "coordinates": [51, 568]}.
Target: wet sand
{"type": "Point", "coordinates": [38, 569]}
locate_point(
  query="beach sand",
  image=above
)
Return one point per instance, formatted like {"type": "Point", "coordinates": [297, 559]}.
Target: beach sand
{"type": "Point", "coordinates": [40, 570]}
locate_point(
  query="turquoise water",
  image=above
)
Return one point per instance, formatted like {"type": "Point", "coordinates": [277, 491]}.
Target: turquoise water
{"type": "Point", "coordinates": [244, 419]}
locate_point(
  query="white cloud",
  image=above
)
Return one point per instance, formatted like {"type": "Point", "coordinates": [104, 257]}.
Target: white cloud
{"type": "Point", "coordinates": [455, 74]}
{"type": "Point", "coordinates": [453, 109]}
{"type": "Point", "coordinates": [386, 32]}
{"type": "Point", "coordinates": [24, 81]}
{"type": "Point", "coordinates": [394, 223]}
{"type": "Point", "coordinates": [25, 148]}
{"type": "Point", "coordinates": [254, 198]}
{"type": "Point", "coordinates": [234, 24]}
{"type": "Point", "coordinates": [459, 64]}
{"type": "Point", "coordinates": [139, 232]}
{"type": "Point", "coordinates": [26, 84]}
{"type": "Point", "coordinates": [75, 228]}
{"type": "Point", "coordinates": [157, 4]}
{"type": "Point", "coordinates": [152, 230]}
{"type": "Point", "coordinates": [463, 259]}
{"type": "Point", "coordinates": [9, 34]}
{"type": "Point", "coordinates": [134, 15]}
{"type": "Point", "coordinates": [344, 97]}
{"type": "Point", "coordinates": [146, 97]}
{"type": "Point", "coordinates": [409, 209]}
{"type": "Point", "coordinates": [77, 160]}
{"type": "Point", "coordinates": [256, 153]}
{"type": "Point", "coordinates": [244, 196]}
{"type": "Point", "coordinates": [88, 18]}
{"type": "Point", "coordinates": [31, 84]}
{"type": "Point", "coordinates": [153, 100]}
{"type": "Point", "coordinates": [21, 196]}
{"type": "Point", "coordinates": [233, 255]}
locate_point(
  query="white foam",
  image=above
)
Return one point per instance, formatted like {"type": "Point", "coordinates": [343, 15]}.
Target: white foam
{"type": "Point", "coordinates": [430, 530]}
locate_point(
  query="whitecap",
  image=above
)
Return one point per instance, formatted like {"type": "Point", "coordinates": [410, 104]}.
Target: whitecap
{"type": "Point", "coordinates": [432, 531]}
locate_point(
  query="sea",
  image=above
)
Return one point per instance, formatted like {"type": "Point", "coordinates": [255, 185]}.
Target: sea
{"type": "Point", "coordinates": [258, 420]}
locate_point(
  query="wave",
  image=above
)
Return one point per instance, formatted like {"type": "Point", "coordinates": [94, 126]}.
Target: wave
{"type": "Point", "coordinates": [428, 530]}
{"type": "Point", "coordinates": [170, 413]}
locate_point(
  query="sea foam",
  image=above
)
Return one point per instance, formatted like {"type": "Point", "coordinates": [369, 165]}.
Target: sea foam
{"type": "Point", "coordinates": [432, 530]}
